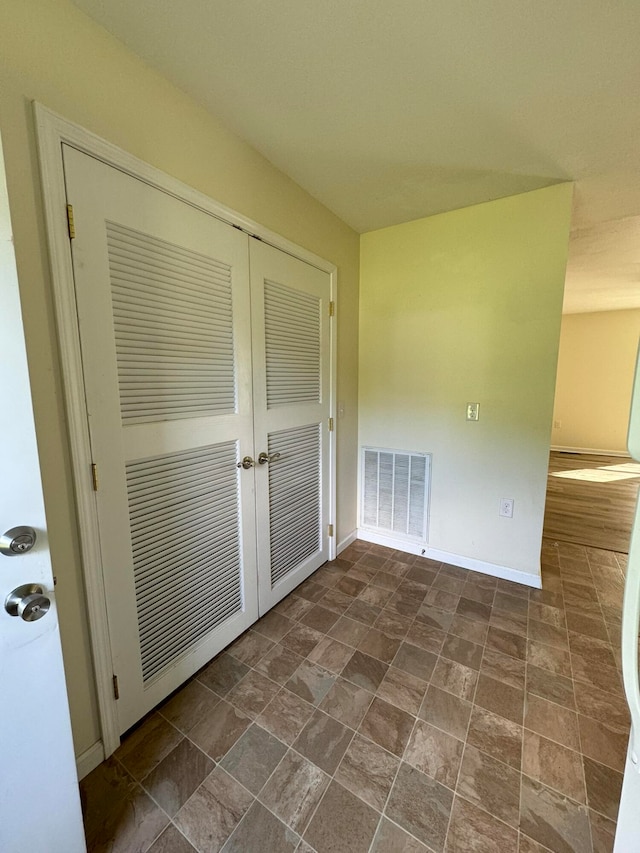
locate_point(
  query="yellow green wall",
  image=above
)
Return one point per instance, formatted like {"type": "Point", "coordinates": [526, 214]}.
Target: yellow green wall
{"type": "Point", "coordinates": [53, 53]}
{"type": "Point", "coordinates": [462, 307]}
{"type": "Point", "coordinates": [595, 376]}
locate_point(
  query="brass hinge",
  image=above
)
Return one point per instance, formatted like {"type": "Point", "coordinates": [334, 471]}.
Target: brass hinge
{"type": "Point", "coordinates": [330, 530]}
{"type": "Point", "coordinates": [116, 689]}
{"type": "Point", "coordinates": [94, 476]}
{"type": "Point", "coordinates": [330, 424]}
{"type": "Point", "coordinates": [332, 309]}
{"type": "Point", "coordinates": [70, 222]}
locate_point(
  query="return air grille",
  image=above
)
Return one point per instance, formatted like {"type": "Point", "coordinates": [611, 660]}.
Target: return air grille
{"type": "Point", "coordinates": [292, 345]}
{"type": "Point", "coordinates": [185, 536]}
{"type": "Point", "coordinates": [172, 315]}
{"type": "Point", "coordinates": [395, 492]}
{"type": "Point", "coordinates": [294, 498]}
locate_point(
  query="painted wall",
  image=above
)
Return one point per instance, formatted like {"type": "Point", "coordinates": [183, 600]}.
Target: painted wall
{"type": "Point", "coordinates": [465, 307]}
{"type": "Point", "coordinates": [51, 52]}
{"type": "Point", "coordinates": [595, 377]}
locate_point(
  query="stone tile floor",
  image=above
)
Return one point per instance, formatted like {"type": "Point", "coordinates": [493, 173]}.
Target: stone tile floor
{"type": "Point", "coordinates": [389, 704]}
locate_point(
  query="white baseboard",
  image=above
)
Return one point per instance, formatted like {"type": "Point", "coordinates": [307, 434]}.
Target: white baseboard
{"type": "Point", "coordinates": [422, 549]}
{"type": "Point", "coordinates": [89, 760]}
{"type": "Point", "coordinates": [390, 541]}
{"type": "Point", "coordinates": [590, 451]}
{"type": "Point", "coordinates": [493, 569]}
{"type": "Point", "coordinates": [348, 540]}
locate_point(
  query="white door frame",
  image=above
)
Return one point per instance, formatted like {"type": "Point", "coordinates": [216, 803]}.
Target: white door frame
{"type": "Point", "coordinates": [52, 132]}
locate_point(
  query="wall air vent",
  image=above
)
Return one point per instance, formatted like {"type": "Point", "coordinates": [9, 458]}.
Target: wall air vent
{"type": "Point", "coordinates": [395, 492]}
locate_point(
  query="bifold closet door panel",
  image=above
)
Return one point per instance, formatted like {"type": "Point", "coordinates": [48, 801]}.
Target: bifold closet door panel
{"type": "Point", "coordinates": [164, 315]}
{"type": "Point", "coordinates": [291, 386]}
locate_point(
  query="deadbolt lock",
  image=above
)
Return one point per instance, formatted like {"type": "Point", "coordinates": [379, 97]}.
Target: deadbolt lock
{"type": "Point", "coordinates": [18, 540]}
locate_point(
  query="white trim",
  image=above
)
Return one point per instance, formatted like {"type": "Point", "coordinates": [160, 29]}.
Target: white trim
{"type": "Point", "coordinates": [53, 126]}
{"type": "Point", "coordinates": [333, 413]}
{"type": "Point", "coordinates": [590, 451]}
{"type": "Point", "coordinates": [421, 548]}
{"type": "Point", "coordinates": [390, 541]}
{"type": "Point", "coordinates": [89, 759]}
{"type": "Point", "coordinates": [348, 540]}
{"type": "Point", "coordinates": [504, 572]}
{"type": "Point", "coordinates": [52, 132]}
{"type": "Point", "coordinates": [50, 135]}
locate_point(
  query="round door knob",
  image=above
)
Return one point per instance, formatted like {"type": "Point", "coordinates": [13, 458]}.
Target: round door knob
{"type": "Point", "coordinates": [33, 607]}
{"type": "Point", "coordinates": [28, 602]}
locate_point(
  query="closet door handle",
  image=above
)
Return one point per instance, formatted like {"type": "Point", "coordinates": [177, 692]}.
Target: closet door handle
{"type": "Point", "coordinates": [265, 457]}
{"type": "Point", "coordinates": [246, 463]}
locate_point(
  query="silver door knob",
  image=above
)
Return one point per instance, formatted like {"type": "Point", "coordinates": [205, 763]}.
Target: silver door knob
{"type": "Point", "coordinates": [28, 602]}
{"type": "Point", "coordinates": [268, 457]}
{"type": "Point", "coordinates": [247, 462]}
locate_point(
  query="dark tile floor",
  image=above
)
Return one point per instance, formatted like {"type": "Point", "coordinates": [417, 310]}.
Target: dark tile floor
{"type": "Point", "coordinates": [390, 704]}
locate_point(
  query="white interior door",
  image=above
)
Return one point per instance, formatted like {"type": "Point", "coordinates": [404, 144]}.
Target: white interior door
{"type": "Point", "coordinates": [164, 314]}
{"type": "Point", "coordinates": [627, 837]}
{"type": "Point", "coordinates": [291, 370]}
{"type": "Point", "coordinates": [39, 801]}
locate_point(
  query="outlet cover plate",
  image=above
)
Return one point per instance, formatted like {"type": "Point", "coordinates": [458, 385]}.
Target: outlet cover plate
{"type": "Point", "coordinates": [506, 507]}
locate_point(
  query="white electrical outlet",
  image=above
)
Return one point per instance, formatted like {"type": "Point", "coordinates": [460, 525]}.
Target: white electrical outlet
{"type": "Point", "coordinates": [473, 411]}
{"type": "Point", "coordinates": [506, 507]}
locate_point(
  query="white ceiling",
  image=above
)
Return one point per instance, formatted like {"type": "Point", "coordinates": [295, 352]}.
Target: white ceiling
{"type": "Point", "coordinates": [390, 111]}
{"type": "Point", "coordinates": [603, 271]}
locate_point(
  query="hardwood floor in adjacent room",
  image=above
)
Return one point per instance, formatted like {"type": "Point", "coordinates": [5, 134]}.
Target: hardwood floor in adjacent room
{"type": "Point", "coordinates": [591, 500]}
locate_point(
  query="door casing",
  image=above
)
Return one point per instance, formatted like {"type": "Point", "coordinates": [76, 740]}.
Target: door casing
{"type": "Point", "coordinates": [52, 132]}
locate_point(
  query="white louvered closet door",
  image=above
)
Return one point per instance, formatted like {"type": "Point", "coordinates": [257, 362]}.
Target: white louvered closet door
{"type": "Point", "coordinates": [164, 315]}
{"type": "Point", "coordinates": [291, 376]}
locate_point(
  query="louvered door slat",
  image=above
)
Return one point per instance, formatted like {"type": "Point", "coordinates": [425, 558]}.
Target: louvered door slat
{"type": "Point", "coordinates": [181, 509]}
{"type": "Point", "coordinates": [173, 647]}
{"type": "Point", "coordinates": [165, 307]}
{"type": "Point", "coordinates": [154, 627]}
{"type": "Point", "coordinates": [175, 304]}
{"type": "Point", "coordinates": [292, 345]}
{"type": "Point", "coordinates": [170, 620]}
{"type": "Point", "coordinates": [150, 561]}
{"type": "Point", "coordinates": [182, 570]}
{"type": "Point", "coordinates": [294, 498]}
{"type": "Point", "coordinates": [162, 292]}
{"type": "Point", "coordinates": [164, 279]}
{"type": "Point", "coordinates": [159, 254]}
